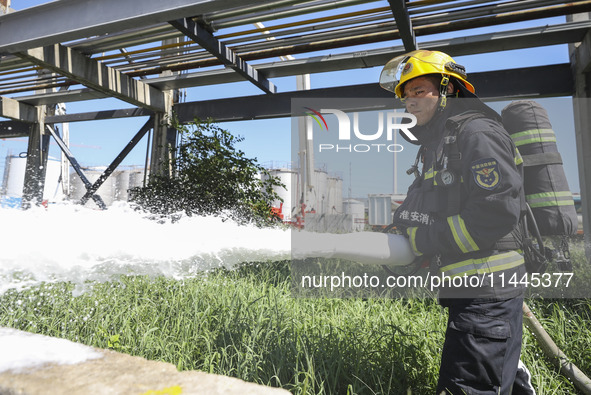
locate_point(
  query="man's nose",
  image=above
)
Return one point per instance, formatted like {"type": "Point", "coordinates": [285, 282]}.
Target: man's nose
{"type": "Point", "coordinates": [410, 103]}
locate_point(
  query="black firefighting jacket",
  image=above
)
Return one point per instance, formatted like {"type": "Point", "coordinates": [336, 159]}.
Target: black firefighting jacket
{"type": "Point", "coordinates": [461, 224]}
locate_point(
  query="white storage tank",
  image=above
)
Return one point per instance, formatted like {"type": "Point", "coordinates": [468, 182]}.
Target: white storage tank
{"type": "Point", "coordinates": [14, 178]}
{"type": "Point", "coordinates": [335, 195]}
{"type": "Point", "coordinates": [106, 191]}
{"type": "Point", "coordinates": [121, 184]}
{"type": "Point", "coordinates": [136, 178]}
{"type": "Point", "coordinates": [318, 195]}
{"type": "Point", "coordinates": [289, 178]}
{"type": "Point", "coordinates": [380, 209]}
{"type": "Point", "coordinates": [356, 210]}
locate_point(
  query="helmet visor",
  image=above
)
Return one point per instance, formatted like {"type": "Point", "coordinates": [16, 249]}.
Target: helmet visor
{"type": "Point", "coordinates": [394, 70]}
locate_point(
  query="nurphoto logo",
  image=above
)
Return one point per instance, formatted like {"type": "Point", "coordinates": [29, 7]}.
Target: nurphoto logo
{"type": "Point", "coordinates": [388, 123]}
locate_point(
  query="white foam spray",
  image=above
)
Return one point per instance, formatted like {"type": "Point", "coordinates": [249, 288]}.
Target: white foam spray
{"type": "Point", "coordinates": [22, 351]}
{"type": "Point", "coordinates": [73, 243]}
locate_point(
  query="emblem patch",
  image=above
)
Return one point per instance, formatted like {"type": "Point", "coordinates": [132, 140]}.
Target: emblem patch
{"type": "Point", "coordinates": [407, 68]}
{"type": "Point", "coordinates": [486, 173]}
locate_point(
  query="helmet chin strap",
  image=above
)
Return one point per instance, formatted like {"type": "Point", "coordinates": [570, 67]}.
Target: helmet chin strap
{"type": "Point", "coordinates": [443, 91]}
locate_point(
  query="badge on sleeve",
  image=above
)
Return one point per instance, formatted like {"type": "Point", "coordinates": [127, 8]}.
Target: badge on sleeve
{"type": "Point", "coordinates": [486, 173]}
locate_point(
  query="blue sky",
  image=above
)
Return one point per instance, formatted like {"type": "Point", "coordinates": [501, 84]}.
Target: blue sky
{"type": "Point", "coordinates": [98, 142]}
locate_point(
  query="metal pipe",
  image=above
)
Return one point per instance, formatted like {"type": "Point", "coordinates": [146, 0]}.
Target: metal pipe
{"type": "Point", "coordinates": [392, 34]}
{"type": "Point", "coordinates": [321, 36]}
{"type": "Point", "coordinates": [242, 33]}
{"type": "Point", "coordinates": [246, 10]}
{"type": "Point", "coordinates": [276, 49]}
{"type": "Point", "coordinates": [382, 17]}
{"type": "Point", "coordinates": [421, 3]}
{"type": "Point", "coordinates": [413, 7]}
{"type": "Point", "coordinates": [117, 40]}
{"type": "Point", "coordinates": [39, 87]}
{"type": "Point", "coordinates": [292, 11]}
{"type": "Point", "coordinates": [417, 21]}
{"type": "Point", "coordinates": [510, 17]}
{"type": "Point", "coordinates": [476, 12]}
{"type": "Point", "coordinates": [306, 22]}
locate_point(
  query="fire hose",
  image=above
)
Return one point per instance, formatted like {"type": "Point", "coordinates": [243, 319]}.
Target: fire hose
{"type": "Point", "coordinates": [555, 354]}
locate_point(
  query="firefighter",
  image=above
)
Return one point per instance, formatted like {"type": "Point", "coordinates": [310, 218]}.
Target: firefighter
{"type": "Point", "coordinates": [463, 212]}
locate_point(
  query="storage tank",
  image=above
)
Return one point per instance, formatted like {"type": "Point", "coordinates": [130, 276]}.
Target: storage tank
{"type": "Point", "coordinates": [380, 209]}
{"type": "Point", "coordinates": [106, 191]}
{"type": "Point", "coordinates": [121, 184]}
{"type": "Point", "coordinates": [136, 178]}
{"type": "Point", "coordinates": [356, 210]}
{"type": "Point", "coordinates": [317, 197]}
{"type": "Point", "coordinates": [289, 178]}
{"type": "Point", "coordinates": [335, 195]}
{"type": "Point", "coordinates": [14, 178]}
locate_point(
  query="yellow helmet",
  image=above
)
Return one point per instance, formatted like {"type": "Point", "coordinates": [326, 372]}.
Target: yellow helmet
{"type": "Point", "coordinates": [418, 63]}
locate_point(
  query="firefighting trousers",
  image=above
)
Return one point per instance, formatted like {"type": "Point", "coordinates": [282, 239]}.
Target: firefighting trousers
{"type": "Point", "coordinates": [482, 347]}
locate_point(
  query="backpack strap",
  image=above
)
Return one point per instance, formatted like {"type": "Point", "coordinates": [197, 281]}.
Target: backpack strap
{"type": "Point", "coordinates": [450, 157]}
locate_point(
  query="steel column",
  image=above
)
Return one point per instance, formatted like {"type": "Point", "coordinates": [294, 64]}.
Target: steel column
{"type": "Point", "coordinates": [35, 169]}
{"type": "Point", "coordinates": [404, 24]}
{"type": "Point", "coordinates": [581, 66]}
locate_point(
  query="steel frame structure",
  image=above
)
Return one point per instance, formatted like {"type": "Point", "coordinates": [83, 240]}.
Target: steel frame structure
{"type": "Point", "coordinates": [74, 50]}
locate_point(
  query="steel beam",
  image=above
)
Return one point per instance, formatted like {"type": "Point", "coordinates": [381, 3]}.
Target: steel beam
{"type": "Point", "coordinates": [224, 54]}
{"type": "Point", "coordinates": [491, 42]}
{"type": "Point", "coordinates": [19, 111]}
{"type": "Point", "coordinates": [499, 85]}
{"type": "Point", "coordinates": [91, 190]}
{"type": "Point", "coordinates": [510, 84]}
{"type": "Point", "coordinates": [404, 24]}
{"type": "Point", "coordinates": [76, 66]}
{"type": "Point", "coordinates": [10, 129]}
{"type": "Point", "coordinates": [96, 115]}
{"type": "Point", "coordinates": [67, 20]}
{"type": "Point", "coordinates": [62, 96]}
{"type": "Point", "coordinates": [77, 168]}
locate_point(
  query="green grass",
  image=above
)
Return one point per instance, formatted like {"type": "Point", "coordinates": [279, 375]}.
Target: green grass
{"type": "Point", "coordinates": [245, 323]}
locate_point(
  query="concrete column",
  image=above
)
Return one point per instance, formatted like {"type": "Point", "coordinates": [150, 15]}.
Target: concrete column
{"type": "Point", "coordinates": [37, 152]}
{"type": "Point", "coordinates": [163, 141]}
{"type": "Point", "coordinates": [164, 137]}
{"type": "Point", "coordinates": [4, 6]}
{"type": "Point", "coordinates": [580, 55]}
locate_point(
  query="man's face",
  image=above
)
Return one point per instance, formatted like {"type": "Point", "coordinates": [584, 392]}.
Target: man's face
{"type": "Point", "coordinates": [421, 97]}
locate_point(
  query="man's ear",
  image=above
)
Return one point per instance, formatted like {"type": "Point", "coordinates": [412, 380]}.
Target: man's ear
{"type": "Point", "coordinates": [450, 87]}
